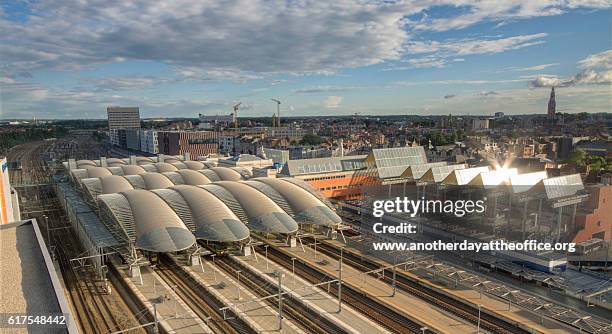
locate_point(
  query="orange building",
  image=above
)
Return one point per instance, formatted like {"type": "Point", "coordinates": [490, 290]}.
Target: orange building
{"type": "Point", "coordinates": [335, 177]}
{"type": "Point", "coordinates": [594, 218]}
{"type": "Point", "coordinates": [9, 201]}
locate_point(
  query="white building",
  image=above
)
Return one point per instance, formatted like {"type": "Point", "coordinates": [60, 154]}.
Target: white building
{"type": "Point", "coordinates": [479, 124]}
{"type": "Point", "coordinates": [148, 141]}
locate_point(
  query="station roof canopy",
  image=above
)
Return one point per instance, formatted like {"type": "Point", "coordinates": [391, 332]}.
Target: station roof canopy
{"type": "Point", "coordinates": [132, 169]}
{"type": "Point", "coordinates": [160, 167]}
{"type": "Point", "coordinates": [415, 172]}
{"type": "Point", "coordinates": [263, 214]}
{"type": "Point", "coordinates": [305, 206]}
{"type": "Point", "coordinates": [89, 171]}
{"type": "Point", "coordinates": [227, 174]}
{"type": "Point", "coordinates": [392, 162]}
{"type": "Point", "coordinates": [493, 178]}
{"type": "Point", "coordinates": [147, 221]}
{"type": "Point", "coordinates": [206, 215]}
{"type": "Point", "coordinates": [439, 173]}
{"type": "Point", "coordinates": [323, 165]}
{"type": "Point", "coordinates": [562, 186]}
{"type": "Point", "coordinates": [523, 182]}
{"type": "Point", "coordinates": [462, 177]}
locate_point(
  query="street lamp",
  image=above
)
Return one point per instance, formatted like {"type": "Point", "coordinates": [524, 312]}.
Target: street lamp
{"type": "Point", "coordinates": [238, 285]}
{"type": "Point", "coordinates": [293, 269]}
{"type": "Point", "coordinates": [267, 265]}
{"type": "Point", "coordinates": [478, 329]}
{"type": "Point", "coordinates": [214, 267]}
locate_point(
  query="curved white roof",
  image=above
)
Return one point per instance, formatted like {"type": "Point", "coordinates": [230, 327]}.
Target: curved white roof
{"type": "Point", "coordinates": [114, 184]}
{"type": "Point", "coordinates": [195, 165]}
{"type": "Point", "coordinates": [306, 206]}
{"type": "Point", "coordinates": [97, 171]}
{"type": "Point", "coordinates": [156, 181]}
{"type": "Point", "coordinates": [263, 214]}
{"type": "Point", "coordinates": [83, 163]}
{"type": "Point", "coordinates": [227, 174]}
{"type": "Point", "coordinates": [192, 177]}
{"type": "Point", "coordinates": [164, 167]}
{"type": "Point", "coordinates": [148, 221]}
{"type": "Point", "coordinates": [132, 169]}
{"type": "Point", "coordinates": [212, 219]}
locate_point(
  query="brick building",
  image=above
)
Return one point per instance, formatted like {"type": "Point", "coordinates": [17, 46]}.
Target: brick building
{"type": "Point", "coordinates": [594, 219]}
{"type": "Point", "coordinates": [197, 143]}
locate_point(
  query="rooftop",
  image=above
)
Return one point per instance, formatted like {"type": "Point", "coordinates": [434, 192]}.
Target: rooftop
{"type": "Point", "coordinates": [26, 283]}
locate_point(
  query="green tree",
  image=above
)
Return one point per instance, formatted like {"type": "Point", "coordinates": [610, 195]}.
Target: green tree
{"type": "Point", "coordinates": [311, 139]}
{"type": "Point", "coordinates": [577, 157]}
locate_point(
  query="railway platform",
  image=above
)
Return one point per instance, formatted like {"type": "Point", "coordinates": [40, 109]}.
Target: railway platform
{"type": "Point", "coordinates": [315, 297]}
{"type": "Point", "coordinates": [411, 306]}
{"type": "Point", "coordinates": [173, 314]}
{"type": "Point", "coordinates": [490, 303]}
{"type": "Point", "coordinates": [259, 315]}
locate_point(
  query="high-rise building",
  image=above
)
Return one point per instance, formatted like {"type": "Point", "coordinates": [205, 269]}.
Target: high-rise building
{"type": "Point", "coordinates": [121, 118]}
{"type": "Point", "coordinates": [552, 105]}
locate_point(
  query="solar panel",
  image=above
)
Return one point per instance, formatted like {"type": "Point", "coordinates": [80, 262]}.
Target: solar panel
{"type": "Point", "coordinates": [392, 162]}
{"type": "Point", "coordinates": [493, 178]}
{"type": "Point", "coordinates": [523, 182]}
{"type": "Point", "coordinates": [464, 176]}
{"type": "Point", "coordinates": [417, 171]}
{"type": "Point", "coordinates": [563, 186]}
{"type": "Point", "coordinates": [438, 174]}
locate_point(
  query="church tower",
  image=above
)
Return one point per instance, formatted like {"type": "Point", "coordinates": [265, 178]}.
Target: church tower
{"type": "Point", "coordinates": [552, 105]}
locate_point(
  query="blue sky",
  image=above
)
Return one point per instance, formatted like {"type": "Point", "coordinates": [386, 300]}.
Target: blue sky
{"type": "Point", "coordinates": [71, 59]}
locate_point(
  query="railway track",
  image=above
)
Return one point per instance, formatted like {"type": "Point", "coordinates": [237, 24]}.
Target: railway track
{"type": "Point", "coordinates": [95, 311]}
{"type": "Point", "coordinates": [353, 296]}
{"type": "Point", "coordinates": [206, 306]}
{"type": "Point", "coordinates": [310, 321]}
{"type": "Point", "coordinates": [450, 305]}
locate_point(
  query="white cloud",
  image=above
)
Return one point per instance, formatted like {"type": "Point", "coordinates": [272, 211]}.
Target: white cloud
{"type": "Point", "coordinates": [475, 46]}
{"type": "Point", "coordinates": [332, 102]}
{"type": "Point", "coordinates": [532, 68]}
{"type": "Point", "coordinates": [596, 69]}
{"type": "Point", "coordinates": [472, 12]}
{"type": "Point", "coordinates": [122, 83]}
{"type": "Point", "coordinates": [322, 89]}
{"type": "Point", "coordinates": [427, 62]}
{"type": "Point", "coordinates": [455, 82]}
{"type": "Point", "coordinates": [598, 60]}
{"type": "Point", "coordinates": [254, 36]}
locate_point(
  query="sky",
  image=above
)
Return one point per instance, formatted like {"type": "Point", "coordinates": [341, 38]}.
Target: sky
{"type": "Point", "coordinates": [73, 58]}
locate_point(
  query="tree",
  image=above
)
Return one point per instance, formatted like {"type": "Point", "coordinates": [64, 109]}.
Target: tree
{"type": "Point", "coordinates": [597, 163]}
{"type": "Point", "coordinates": [311, 139]}
{"type": "Point", "coordinates": [577, 157]}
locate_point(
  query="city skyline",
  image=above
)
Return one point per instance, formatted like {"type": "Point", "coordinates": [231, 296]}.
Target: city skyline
{"type": "Point", "coordinates": [69, 60]}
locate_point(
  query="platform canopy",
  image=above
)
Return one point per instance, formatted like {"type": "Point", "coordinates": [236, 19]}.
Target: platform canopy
{"type": "Point", "coordinates": [462, 177]}
{"type": "Point", "coordinates": [263, 214]}
{"type": "Point", "coordinates": [305, 206]}
{"type": "Point", "coordinates": [437, 174]}
{"type": "Point", "coordinates": [392, 162]}
{"type": "Point", "coordinates": [147, 221]}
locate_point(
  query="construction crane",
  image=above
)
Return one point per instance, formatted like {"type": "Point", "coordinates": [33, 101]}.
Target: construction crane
{"type": "Point", "coordinates": [278, 103]}
{"type": "Point", "coordinates": [236, 108]}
